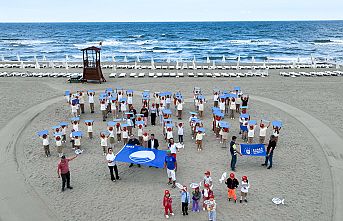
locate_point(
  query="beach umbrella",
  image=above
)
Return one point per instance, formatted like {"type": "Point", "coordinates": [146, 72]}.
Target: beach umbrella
{"type": "Point", "coordinates": [264, 64]}
{"type": "Point", "coordinates": [213, 64]}
{"type": "Point", "coordinates": [18, 57]}
{"type": "Point", "coordinates": [337, 65]}
{"type": "Point", "coordinates": [125, 59]}
{"type": "Point", "coordinates": [138, 60]}
{"type": "Point", "coordinates": [152, 63]}
{"type": "Point", "coordinates": [253, 60]}
{"type": "Point", "coordinates": [194, 65]}
{"type": "Point", "coordinates": [168, 59]}
{"type": "Point", "coordinates": [114, 63]}
{"type": "Point", "coordinates": [294, 64]}
{"type": "Point", "coordinates": [44, 58]}
{"type": "Point", "coordinates": [22, 65]}
{"type": "Point", "coordinates": [2, 58]}
{"type": "Point", "coordinates": [208, 60]}
{"type": "Point", "coordinates": [194, 59]}
{"type": "Point", "coordinates": [298, 59]}
{"type": "Point", "coordinates": [223, 59]}
{"type": "Point", "coordinates": [177, 64]}
{"type": "Point", "coordinates": [113, 59]}
{"type": "Point", "coordinates": [66, 63]}
{"type": "Point", "coordinates": [51, 64]}
{"type": "Point", "coordinates": [135, 64]}
{"type": "Point", "coordinates": [238, 60]}
{"type": "Point", "coordinates": [37, 66]}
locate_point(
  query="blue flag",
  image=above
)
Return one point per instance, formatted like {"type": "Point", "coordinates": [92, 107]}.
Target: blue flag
{"type": "Point", "coordinates": [141, 155]}
{"type": "Point", "coordinates": [253, 150]}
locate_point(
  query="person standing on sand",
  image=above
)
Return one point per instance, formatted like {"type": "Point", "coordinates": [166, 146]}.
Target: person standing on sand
{"type": "Point", "coordinates": [112, 165]}
{"type": "Point", "coordinates": [171, 165]}
{"type": "Point", "coordinates": [153, 112]}
{"type": "Point", "coordinates": [91, 100]}
{"type": "Point", "coordinates": [234, 151]}
{"type": "Point", "coordinates": [270, 151]}
{"type": "Point", "coordinates": [153, 143]}
{"type": "Point", "coordinates": [63, 171]}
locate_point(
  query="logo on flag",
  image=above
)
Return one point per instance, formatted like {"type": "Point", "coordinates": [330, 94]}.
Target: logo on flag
{"type": "Point", "coordinates": [142, 156]}
{"type": "Point", "coordinates": [253, 149]}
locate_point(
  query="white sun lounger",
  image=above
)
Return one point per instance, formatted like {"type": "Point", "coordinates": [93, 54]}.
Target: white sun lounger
{"type": "Point", "coordinates": [200, 75]}
{"type": "Point", "coordinates": [159, 75]}
{"type": "Point", "coordinates": [151, 74]}
{"type": "Point", "coordinates": [132, 75]}
{"type": "Point", "coordinates": [225, 75]}
{"type": "Point", "coordinates": [113, 75]}
{"type": "Point", "coordinates": [209, 74]}
{"type": "Point", "coordinates": [180, 74]}
{"type": "Point", "coordinates": [141, 75]}
{"type": "Point", "coordinates": [122, 75]}
{"type": "Point", "coordinates": [217, 75]}
{"type": "Point", "coordinates": [172, 74]}
{"type": "Point", "coordinates": [166, 74]}
{"type": "Point", "coordinates": [191, 74]}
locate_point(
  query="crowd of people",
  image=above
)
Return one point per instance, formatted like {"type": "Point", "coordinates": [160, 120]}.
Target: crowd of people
{"type": "Point", "coordinates": [126, 125]}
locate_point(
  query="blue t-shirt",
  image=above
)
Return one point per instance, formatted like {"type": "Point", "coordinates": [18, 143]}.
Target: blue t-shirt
{"type": "Point", "coordinates": [170, 161]}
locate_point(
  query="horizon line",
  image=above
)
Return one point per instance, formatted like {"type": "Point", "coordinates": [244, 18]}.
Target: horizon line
{"type": "Point", "coordinates": [196, 21]}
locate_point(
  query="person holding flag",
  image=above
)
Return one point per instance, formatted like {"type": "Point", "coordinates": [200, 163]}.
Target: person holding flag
{"type": "Point", "coordinates": [233, 152]}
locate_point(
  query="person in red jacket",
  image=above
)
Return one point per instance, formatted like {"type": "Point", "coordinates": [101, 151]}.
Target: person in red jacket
{"type": "Point", "coordinates": [167, 204]}
{"type": "Point", "coordinates": [232, 183]}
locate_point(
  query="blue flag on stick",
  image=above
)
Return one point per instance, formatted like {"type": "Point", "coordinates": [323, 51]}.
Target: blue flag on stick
{"type": "Point", "coordinates": [141, 155]}
{"type": "Point", "coordinates": [253, 150]}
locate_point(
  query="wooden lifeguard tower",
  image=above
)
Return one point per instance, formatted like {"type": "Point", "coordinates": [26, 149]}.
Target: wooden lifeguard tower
{"type": "Point", "coordinates": [91, 65]}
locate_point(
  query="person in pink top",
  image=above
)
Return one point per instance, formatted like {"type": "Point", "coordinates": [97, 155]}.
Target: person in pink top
{"type": "Point", "coordinates": [63, 171]}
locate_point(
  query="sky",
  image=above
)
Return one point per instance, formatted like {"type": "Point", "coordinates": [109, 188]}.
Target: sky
{"type": "Point", "coordinates": [168, 10]}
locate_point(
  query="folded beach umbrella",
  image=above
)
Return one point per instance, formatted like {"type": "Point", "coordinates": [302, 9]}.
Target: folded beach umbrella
{"type": "Point", "coordinates": [111, 123]}
{"type": "Point", "coordinates": [208, 60]}
{"type": "Point", "coordinates": [138, 60]}
{"type": "Point", "coordinates": [253, 60]}
{"type": "Point", "coordinates": [43, 132]}
{"type": "Point", "coordinates": [252, 122]}
{"type": "Point", "coordinates": [63, 124]}
{"type": "Point", "coordinates": [238, 60]}
{"type": "Point", "coordinates": [168, 60]}
{"type": "Point", "coordinates": [223, 59]}
{"type": "Point", "coordinates": [125, 59]}
{"type": "Point", "coordinates": [75, 119]}
{"type": "Point", "coordinates": [18, 57]}
{"type": "Point", "coordinates": [76, 134]}
{"type": "Point", "coordinates": [277, 123]}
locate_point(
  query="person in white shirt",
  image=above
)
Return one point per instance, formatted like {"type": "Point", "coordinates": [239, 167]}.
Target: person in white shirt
{"type": "Point", "coordinates": [91, 100]}
{"type": "Point", "coordinates": [276, 132]}
{"type": "Point", "coordinates": [140, 133]}
{"type": "Point", "coordinates": [59, 146]}
{"type": "Point", "coordinates": [208, 179]}
{"type": "Point", "coordinates": [129, 100]}
{"type": "Point", "coordinates": [125, 135]}
{"type": "Point", "coordinates": [46, 143]}
{"type": "Point", "coordinates": [103, 142]}
{"type": "Point", "coordinates": [172, 147]}
{"type": "Point", "coordinates": [251, 133]}
{"type": "Point", "coordinates": [114, 108]}
{"type": "Point", "coordinates": [169, 134]}
{"type": "Point", "coordinates": [145, 139]}
{"type": "Point", "coordinates": [123, 108]}
{"type": "Point", "coordinates": [225, 136]}
{"type": "Point", "coordinates": [201, 108]}
{"type": "Point", "coordinates": [222, 105]}
{"type": "Point", "coordinates": [263, 132]}
{"type": "Point", "coordinates": [199, 140]}
{"type": "Point", "coordinates": [180, 132]}
{"type": "Point", "coordinates": [74, 110]}
{"type": "Point", "coordinates": [168, 101]}
{"type": "Point", "coordinates": [90, 129]}
{"type": "Point", "coordinates": [110, 157]}
{"type": "Point", "coordinates": [238, 103]}
{"type": "Point", "coordinates": [244, 189]}
{"type": "Point", "coordinates": [64, 133]}
{"type": "Point", "coordinates": [211, 208]}
{"type": "Point", "coordinates": [82, 102]}
{"type": "Point", "coordinates": [232, 108]}
{"type": "Point", "coordinates": [75, 125]}
{"type": "Point", "coordinates": [179, 106]}
{"type": "Point", "coordinates": [103, 108]}
{"type": "Point", "coordinates": [77, 143]}
{"type": "Point", "coordinates": [215, 99]}
{"type": "Point", "coordinates": [111, 136]}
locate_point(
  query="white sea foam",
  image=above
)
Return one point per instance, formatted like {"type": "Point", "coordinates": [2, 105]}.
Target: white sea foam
{"type": "Point", "coordinates": [27, 42]}
{"type": "Point", "coordinates": [249, 42]}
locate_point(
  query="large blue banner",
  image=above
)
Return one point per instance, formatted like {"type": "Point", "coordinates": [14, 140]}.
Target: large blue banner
{"type": "Point", "coordinates": [253, 149]}
{"type": "Point", "coordinates": [141, 155]}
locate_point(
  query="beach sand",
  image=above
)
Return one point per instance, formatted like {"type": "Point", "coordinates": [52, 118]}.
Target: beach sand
{"type": "Point", "coordinates": [301, 173]}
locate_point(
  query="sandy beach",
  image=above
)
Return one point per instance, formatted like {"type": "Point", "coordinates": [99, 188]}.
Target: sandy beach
{"type": "Point", "coordinates": [302, 173]}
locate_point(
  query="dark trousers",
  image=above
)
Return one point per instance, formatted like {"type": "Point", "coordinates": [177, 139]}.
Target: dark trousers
{"type": "Point", "coordinates": [184, 208]}
{"type": "Point", "coordinates": [153, 118]}
{"type": "Point", "coordinates": [270, 159]}
{"type": "Point", "coordinates": [65, 179]}
{"type": "Point", "coordinates": [115, 171]}
{"type": "Point", "coordinates": [233, 162]}
{"type": "Point", "coordinates": [180, 138]}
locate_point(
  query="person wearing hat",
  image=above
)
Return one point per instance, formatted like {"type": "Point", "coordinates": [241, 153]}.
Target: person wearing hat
{"type": "Point", "coordinates": [199, 140]}
{"type": "Point", "coordinates": [196, 196]}
{"type": "Point", "coordinates": [118, 132]}
{"type": "Point", "coordinates": [103, 142]}
{"type": "Point", "coordinates": [270, 151]}
{"type": "Point", "coordinates": [103, 109]}
{"type": "Point", "coordinates": [63, 171]}
{"type": "Point", "coordinates": [208, 179]}
{"type": "Point", "coordinates": [46, 143]}
{"type": "Point", "coordinates": [171, 165]}
{"type": "Point", "coordinates": [232, 183]}
{"type": "Point", "coordinates": [82, 102]}
{"type": "Point", "coordinates": [185, 200]}
{"type": "Point", "coordinates": [211, 208]}
{"type": "Point", "coordinates": [180, 132]}
{"type": "Point", "coordinates": [91, 101]}
{"type": "Point", "coordinates": [110, 157]}
{"type": "Point", "coordinates": [135, 142]}
{"type": "Point", "coordinates": [125, 135]}
{"type": "Point", "coordinates": [263, 131]}
{"type": "Point", "coordinates": [244, 189]}
{"type": "Point", "coordinates": [206, 193]}
{"type": "Point", "coordinates": [58, 139]}
{"type": "Point", "coordinates": [233, 152]}
{"type": "Point", "coordinates": [167, 204]}
{"type": "Point", "coordinates": [179, 106]}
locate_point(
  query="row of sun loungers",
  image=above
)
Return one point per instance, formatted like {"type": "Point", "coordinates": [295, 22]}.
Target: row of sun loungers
{"type": "Point", "coordinates": [171, 67]}
{"type": "Point", "coordinates": [190, 74]}
{"type": "Point", "coordinates": [311, 74]}
{"type": "Point", "coordinates": [39, 75]}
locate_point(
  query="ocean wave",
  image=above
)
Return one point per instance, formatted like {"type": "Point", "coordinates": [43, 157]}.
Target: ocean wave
{"type": "Point", "coordinates": [328, 41]}
{"type": "Point", "coordinates": [200, 39]}
{"type": "Point", "coordinates": [96, 43]}
{"type": "Point", "coordinates": [130, 51]}
{"type": "Point", "coordinates": [146, 42]}
{"type": "Point", "coordinates": [27, 42]}
{"type": "Point", "coordinates": [165, 51]}
{"type": "Point", "coordinates": [136, 36]}
{"type": "Point", "coordinates": [249, 42]}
